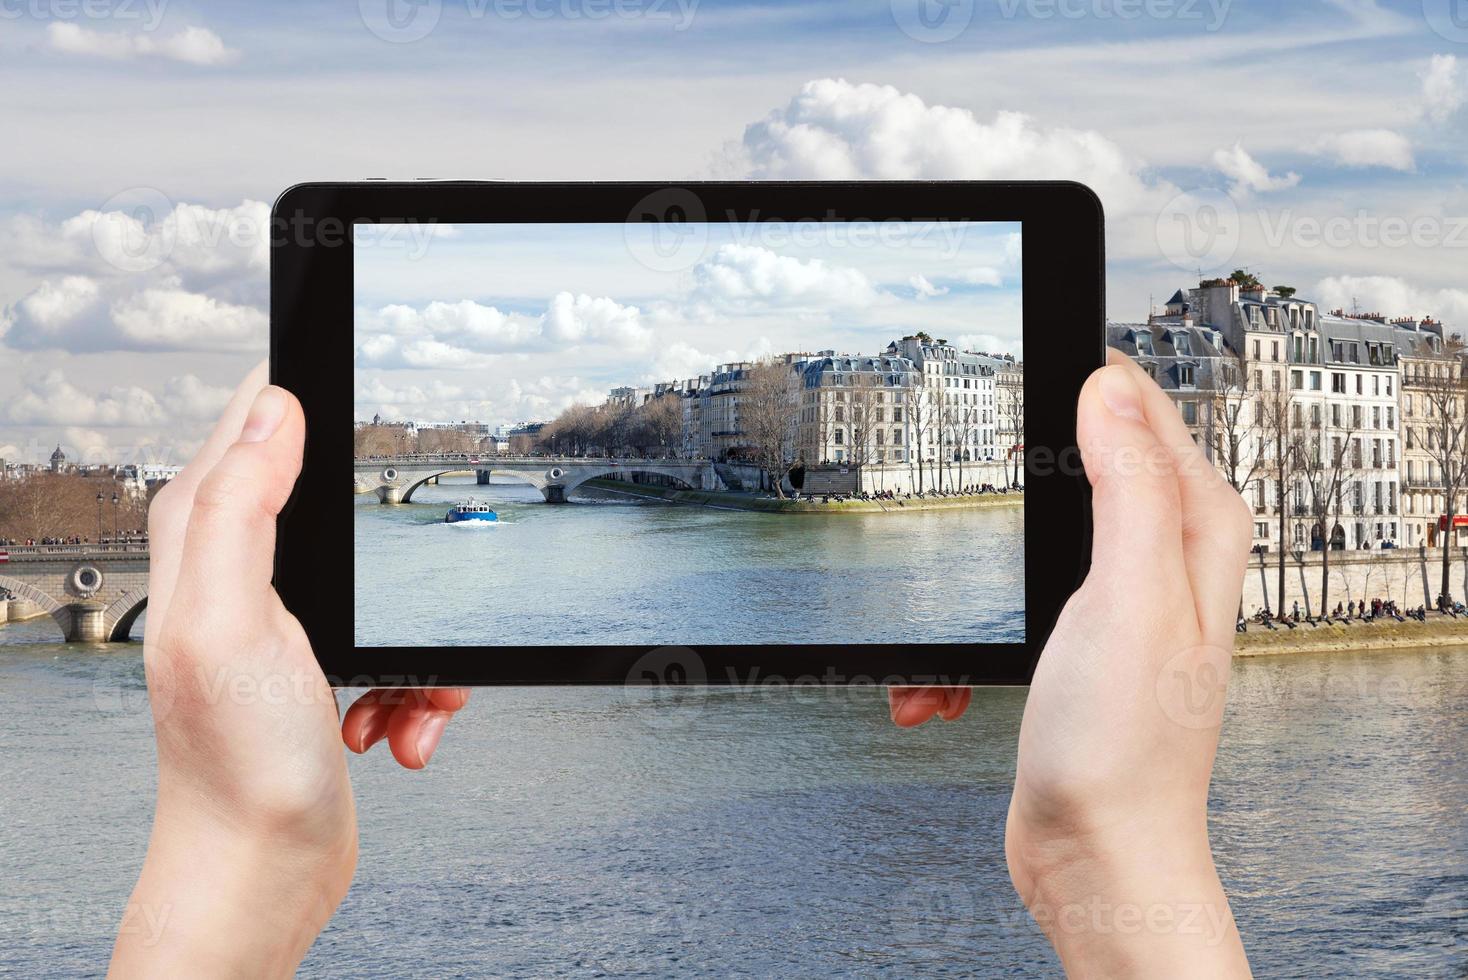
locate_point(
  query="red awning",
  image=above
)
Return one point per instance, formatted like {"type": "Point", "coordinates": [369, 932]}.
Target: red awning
{"type": "Point", "coordinates": [1459, 520]}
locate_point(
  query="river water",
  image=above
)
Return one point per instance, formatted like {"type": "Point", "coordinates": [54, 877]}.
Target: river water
{"type": "Point", "coordinates": [726, 833]}
{"type": "Point", "coordinates": [611, 569]}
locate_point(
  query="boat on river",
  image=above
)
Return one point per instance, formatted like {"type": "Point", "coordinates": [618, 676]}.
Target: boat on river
{"type": "Point", "coordinates": [470, 510]}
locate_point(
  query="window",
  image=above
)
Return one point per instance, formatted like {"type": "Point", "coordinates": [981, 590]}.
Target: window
{"type": "Point", "coordinates": [1407, 405]}
{"type": "Point", "coordinates": [1376, 384]}
{"type": "Point", "coordinates": [1258, 375]}
{"type": "Point", "coordinates": [1190, 412]}
{"type": "Point", "coordinates": [1182, 344]}
{"type": "Point", "coordinates": [840, 437]}
{"type": "Point", "coordinates": [1185, 375]}
{"type": "Point", "coordinates": [1376, 416]}
{"type": "Point", "coordinates": [1274, 356]}
{"type": "Point", "coordinates": [897, 415]}
{"type": "Point", "coordinates": [1297, 380]}
{"type": "Point", "coordinates": [1338, 382]}
{"type": "Point", "coordinates": [1261, 529]}
{"type": "Point", "coordinates": [1355, 416]}
{"type": "Point", "coordinates": [1256, 350]}
{"type": "Point", "coordinates": [896, 437]}
{"type": "Point", "coordinates": [1314, 380]}
{"type": "Point", "coordinates": [1360, 385]}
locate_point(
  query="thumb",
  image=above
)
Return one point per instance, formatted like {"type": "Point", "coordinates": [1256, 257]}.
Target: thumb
{"type": "Point", "coordinates": [1135, 500]}
{"type": "Point", "coordinates": [229, 547]}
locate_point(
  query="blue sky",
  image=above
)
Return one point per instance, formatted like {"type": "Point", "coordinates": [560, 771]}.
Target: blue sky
{"type": "Point", "coordinates": [1321, 143]}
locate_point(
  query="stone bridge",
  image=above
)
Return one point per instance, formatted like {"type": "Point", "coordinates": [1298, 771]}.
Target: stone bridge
{"type": "Point", "coordinates": [95, 593]}
{"type": "Point", "coordinates": [394, 479]}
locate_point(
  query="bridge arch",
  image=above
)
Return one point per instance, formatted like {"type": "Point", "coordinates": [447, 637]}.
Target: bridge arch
{"type": "Point", "coordinates": [122, 613]}
{"type": "Point", "coordinates": [57, 611]}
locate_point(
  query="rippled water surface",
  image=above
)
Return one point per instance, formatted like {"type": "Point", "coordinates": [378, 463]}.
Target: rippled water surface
{"type": "Point", "coordinates": [611, 569]}
{"type": "Point", "coordinates": [587, 833]}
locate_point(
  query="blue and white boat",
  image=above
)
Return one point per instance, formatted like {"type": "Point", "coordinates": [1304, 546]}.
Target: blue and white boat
{"type": "Point", "coordinates": [468, 510]}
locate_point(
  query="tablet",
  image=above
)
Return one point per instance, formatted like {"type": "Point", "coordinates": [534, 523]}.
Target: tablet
{"type": "Point", "coordinates": [698, 433]}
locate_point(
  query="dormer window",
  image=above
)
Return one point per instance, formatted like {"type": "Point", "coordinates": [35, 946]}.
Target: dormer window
{"type": "Point", "coordinates": [1144, 343]}
{"type": "Point", "coordinates": [1185, 375]}
{"type": "Point", "coordinates": [1182, 344]}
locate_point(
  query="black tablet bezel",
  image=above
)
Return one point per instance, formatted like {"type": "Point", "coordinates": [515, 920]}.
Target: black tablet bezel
{"type": "Point", "coordinates": [311, 323]}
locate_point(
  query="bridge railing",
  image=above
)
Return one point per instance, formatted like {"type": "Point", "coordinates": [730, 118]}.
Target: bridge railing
{"type": "Point", "coordinates": [135, 549]}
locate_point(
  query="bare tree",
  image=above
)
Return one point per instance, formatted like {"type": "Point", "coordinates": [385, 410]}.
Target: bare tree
{"type": "Point", "coordinates": [767, 414]}
{"type": "Point", "coordinates": [659, 423]}
{"type": "Point", "coordinates": [921, 419]}
{"type": "Point", "coordinates": [863, 405]}
{"type": "Point", "coordinates": [1438, 429]}
{"type": "Point", "coordinates": [1274, 418]}
{"type": "Point", "coordinates": [1330, 466]}
{"type": "Point", "coordinates": [1011, 405]}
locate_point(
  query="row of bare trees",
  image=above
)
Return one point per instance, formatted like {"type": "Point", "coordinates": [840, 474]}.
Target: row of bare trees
{"type": "Point", "coordinates": [64, 505]}
{"type": "Point", "coordinates": [654, 428]}
{"type": "Point", "coordinates": [1311, 453]}
{"type": "Point", "coordinates": [397, 440]}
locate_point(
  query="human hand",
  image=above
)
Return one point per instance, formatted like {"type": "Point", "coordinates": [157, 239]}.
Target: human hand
{"type": "Point", "coordinates": [254, 837]}
{"type": "Point", "coordinates": [1107, 836]}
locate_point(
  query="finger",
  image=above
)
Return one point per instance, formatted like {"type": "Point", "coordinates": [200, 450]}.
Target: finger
{"type": "Point", "coordinates": [365, 723]}
{"type": "Point", "coordinates": [911, 706]}
{"type": "Point", "coordinates": [1216, 524]}
{"type": "Point", "coordinates": [414, 732]}
{"type": "Point", "coordinates": [229, 547]}
{"type": "Point", "coordinates": [168, 515]}
{"type": "Point", "coordinates": [956, 703]}
{"type": "Point", "coordinates": [1135, 503]}
{"type": "Point", "coordinates": [449, 699]}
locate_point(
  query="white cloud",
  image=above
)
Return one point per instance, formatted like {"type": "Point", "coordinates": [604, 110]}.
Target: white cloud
{"type": "Point", "coordinates": [1369, 148]}
{"type": "Point", "coordinates": [1247, 174]}
{"type": "Point", "coordinates": [1393, 296]}
{"type": "Point", "coordinates": [983, 276]}
{"type": "Point", "coordinates": [834, 129]}
{"type": "Point", "coordinates": [192, 45]}
{"type": "Point", "coordinates": [924, 288]}
{"type": "Point", "coordinates": [171, 318]}
{"type": "Point", "coordinates": [1443, 87]}
{"type": "Point", "coordinates": [745, 276]}
{"type": "Point", "coordinates": [465, 334]}
{"type": "Point", "coordinates": [52, 400]}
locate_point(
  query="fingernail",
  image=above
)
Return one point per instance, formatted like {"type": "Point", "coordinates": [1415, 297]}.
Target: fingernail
{"type": "Point", "coordinates": [429, 734]}
{"type": "Point", "coordinates": [265, 415]}
{"type": "Point", "coordinates": [895, 703]}
{"type": "Point", "coordinates": [374, 730]}
{"type": "Point", "coordinates": [1119, 392]}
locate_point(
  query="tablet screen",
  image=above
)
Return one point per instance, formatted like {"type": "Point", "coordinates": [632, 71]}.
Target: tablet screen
{"type": "Point", "coordinates": [708, 433]}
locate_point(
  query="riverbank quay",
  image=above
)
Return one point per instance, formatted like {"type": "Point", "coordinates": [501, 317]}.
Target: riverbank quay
{"type": "Point", "coordinates": [728, 500]}
{"type": "Point", "coordinates": [1384, 634]}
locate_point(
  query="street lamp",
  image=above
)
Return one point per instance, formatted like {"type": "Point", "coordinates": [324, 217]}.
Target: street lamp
{"type": "Point", "coordinates": [115, 501]}
{"type": "Point", "coordinates": [99, 516]}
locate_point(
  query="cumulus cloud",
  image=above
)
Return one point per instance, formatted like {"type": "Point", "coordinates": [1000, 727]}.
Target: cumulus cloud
{"type": "Point", "coordinates": [438, 401]}
{"type": "Point", "coordinates": [1247, 174]}
{"type": "Point", "coordinates": [78, 313]}
{"type": "Point", "coordinates": [834, 129]}
{"type": "Point", "coordinates": [982, 276]}
{"type": "Point", "coordinates": [1444, 87]}
{"type": "Point", "coordinates": [924, 288]}
{"type": "Point", "coordinates": [1393, 296]}
{"type": "Point", "coordinates": [146, 274]}
{"type": "Point", "coordinates": [1369, 148]}
{"type": "Point", "coordinates": [192, 45]}
{"type": "Point", "coordinates": [466, 334]}
{"type": "Point", "coordinates": [744, 276]}
{"type": "Point", "coordinates": [53, 400]}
